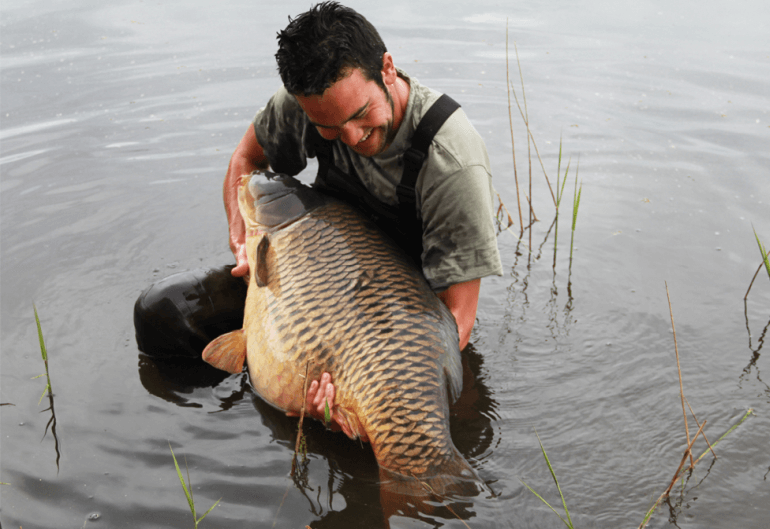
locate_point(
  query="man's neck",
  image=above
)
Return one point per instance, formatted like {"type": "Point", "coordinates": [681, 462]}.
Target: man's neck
{"type": "Point", "coordinates": [399, 92]}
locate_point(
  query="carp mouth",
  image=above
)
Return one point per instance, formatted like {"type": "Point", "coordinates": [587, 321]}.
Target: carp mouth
{"type": "Point", "coordinates": [280, 200]}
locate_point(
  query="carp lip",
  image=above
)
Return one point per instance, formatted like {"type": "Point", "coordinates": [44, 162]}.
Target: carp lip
{"type": "Point", "coordinates": [279, 200]}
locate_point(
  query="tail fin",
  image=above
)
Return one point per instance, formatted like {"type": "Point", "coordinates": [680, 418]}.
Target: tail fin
{"type": "Point", "coordinates": [454, 483]}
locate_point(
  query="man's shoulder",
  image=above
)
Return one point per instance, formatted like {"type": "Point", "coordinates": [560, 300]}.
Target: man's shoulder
{"type": "Point", "coordinates": [457, 139]}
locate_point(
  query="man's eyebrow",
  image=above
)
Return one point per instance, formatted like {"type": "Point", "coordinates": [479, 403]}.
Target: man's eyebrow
{"type": "Point", "coordinates": [355, 115]}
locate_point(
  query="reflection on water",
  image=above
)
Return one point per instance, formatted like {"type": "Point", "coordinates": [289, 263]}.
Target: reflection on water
{"type": "Point", "coordinates": [117, 122]}
{"type": "Point", "coordinates": [352, 469]}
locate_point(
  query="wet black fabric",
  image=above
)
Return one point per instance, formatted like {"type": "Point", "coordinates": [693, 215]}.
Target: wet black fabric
{"type": "Point", "coordinates": [181, 314]}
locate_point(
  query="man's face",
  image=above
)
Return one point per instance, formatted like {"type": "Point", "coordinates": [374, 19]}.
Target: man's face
{"type": "Point", "coordinates": [354, 110]}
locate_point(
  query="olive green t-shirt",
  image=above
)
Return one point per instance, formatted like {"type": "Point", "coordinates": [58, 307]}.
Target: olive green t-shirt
{"type": "Point", "coordinates": [453, 190]}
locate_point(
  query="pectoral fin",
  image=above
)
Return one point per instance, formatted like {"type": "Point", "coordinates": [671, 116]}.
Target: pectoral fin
{"type": "Point", "coordinates": [261, 273]}
{"type": "Point", "coordinates": [227, 352]}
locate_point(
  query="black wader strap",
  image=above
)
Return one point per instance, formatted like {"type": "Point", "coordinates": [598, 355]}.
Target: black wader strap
{"type": "Point", "coordinates": [415, 156]}
{"type": "Point", "coordinates": [402, 222]}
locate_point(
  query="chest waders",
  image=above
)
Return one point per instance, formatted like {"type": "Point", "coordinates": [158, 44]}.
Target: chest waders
{"type": "Point", "coordinates": [402, 222]}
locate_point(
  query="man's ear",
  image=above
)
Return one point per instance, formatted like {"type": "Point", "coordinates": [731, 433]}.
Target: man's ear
{"type": "Point", "coordinates": [389, 73]}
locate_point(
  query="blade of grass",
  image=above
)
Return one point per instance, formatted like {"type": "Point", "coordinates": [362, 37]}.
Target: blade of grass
{"type": "Point", "coordinates": [575, 206]}
{"type": "Point", "coordinates": [300, 435]}
{"type": "Point", "coordinates": [559, 195]}
{"type": "Point", "coordinates": [188, 492]}
{"type": "Point", "coordinates": [711, 448]}
{"type": "Point", "coordinates": [548, 504]}
{"type": "Point", "coordinates": [553, 474]}
{"type": "Point", "coordinates": [510, 119]}
{"type": "Point", "coordinates": [750, 411]}
{"type": "Point", "coordinates": [679, 370]}
{"type": "Point", "coordinates": [525, 117]}
{"type": "Point", "coordinates": [44, 353]}
{"type": "Point", "coordinates": [568, 521]}
{"type": "Point", "coordinates": [762, 252]}
{"type": "Point", "coordinates": [687, 452]}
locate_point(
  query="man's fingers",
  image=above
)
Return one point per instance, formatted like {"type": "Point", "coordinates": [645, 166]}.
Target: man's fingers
{"type": "Point", "coordinates": [242, 265]}
{"type": "Point", "coordinates": [311, 393]}
{"type": "Point", "coordinates": [323, 385]}
{"type": "Point", "coordinates": [330, 399]}
{"type": "Point", "coordinates": [241, 269]}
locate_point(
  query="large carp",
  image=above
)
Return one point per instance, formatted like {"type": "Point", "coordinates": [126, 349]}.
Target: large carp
{"type": "Point", "coordinates": [329, 292]}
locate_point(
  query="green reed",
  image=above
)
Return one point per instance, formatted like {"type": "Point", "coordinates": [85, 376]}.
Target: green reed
{"type": "Point", "coordinates": [559, 195]}
{"type": "Point", "coordinates": [575, 206]}
{"type": "Point", "coordinates": [763, 253]}
{"type": "Point", "coordinates": [188, 491]}
{"type": "Point", "coordinates": [568, 521]}
{"type": "Point", "coordinates": [765, 262]}
{"type": "Point", "coordinates": [681, 471]}
{"type": "Point", "coordinates": [44, 353]}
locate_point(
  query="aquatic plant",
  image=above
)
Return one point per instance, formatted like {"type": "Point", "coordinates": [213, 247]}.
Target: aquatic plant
{"type": "Point", "coordinates": [52, 421]}
{"type": "Point", "coordinates": [300, 446]}
{"type": "Point", "coordinates": [559, 196]}
{"type": "Point", "coordinates": [763, 253]}
{"type": "Point", "coordinates": [44, 353]}
{"type": "Point", "coordinates": [568, 521]}
{"type": "Point", "coordinates": [765, 262]}
{"type": "Point", "coordinates": [575, 206]}
{"type": "Point", "coordinates": [681, 469]}
{"type": "Point", "coordinates": [188, 492]}
{"type": "Point", "coordinates": [510, 119]}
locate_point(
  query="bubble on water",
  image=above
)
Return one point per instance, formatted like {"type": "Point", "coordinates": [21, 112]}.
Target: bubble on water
{"type": "Point", "coordinates": [93, 516]}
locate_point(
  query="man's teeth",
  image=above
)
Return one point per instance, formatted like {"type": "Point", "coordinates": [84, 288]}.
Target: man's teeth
{"type": "Point", "coordinates": [366, 137]}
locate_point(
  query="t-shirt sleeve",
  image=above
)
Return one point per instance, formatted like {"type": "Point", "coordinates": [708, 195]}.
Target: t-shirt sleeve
{"type": "Point", "coordinates": [459, 239]}
{"type": "Point", "coordinates": [281, 128]}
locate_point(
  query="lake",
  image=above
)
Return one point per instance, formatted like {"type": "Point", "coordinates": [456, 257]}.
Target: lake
{"type": "Point", "coordinates": [117, 122]}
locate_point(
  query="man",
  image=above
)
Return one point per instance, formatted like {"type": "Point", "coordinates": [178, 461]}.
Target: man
{"type": "Point", "coordinates": [344, 102]}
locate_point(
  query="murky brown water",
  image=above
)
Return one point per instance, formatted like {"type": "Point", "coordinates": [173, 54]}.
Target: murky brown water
{"type": "Point", "coordinates": [117, 123]}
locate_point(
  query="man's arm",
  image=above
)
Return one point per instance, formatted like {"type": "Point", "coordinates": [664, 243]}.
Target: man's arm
{"type": "Point", "coordinates": [247, 157]}
{"type": "Point", "coordinates": [463, 300]}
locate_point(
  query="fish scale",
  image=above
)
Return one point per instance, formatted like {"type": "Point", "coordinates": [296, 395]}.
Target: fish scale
{"type": "Point", "coordinates": [338, 296]}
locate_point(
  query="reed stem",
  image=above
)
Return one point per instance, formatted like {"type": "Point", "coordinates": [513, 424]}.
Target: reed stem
{"type": "Point", "coordinates": [510, 119]}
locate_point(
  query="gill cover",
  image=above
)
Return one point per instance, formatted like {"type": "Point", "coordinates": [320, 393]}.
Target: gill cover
{"type": "Point", "coordinates": [280, 200]}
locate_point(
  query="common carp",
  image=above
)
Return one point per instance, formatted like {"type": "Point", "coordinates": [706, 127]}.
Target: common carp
{"type": "Point", "coordinates": [329, 292]}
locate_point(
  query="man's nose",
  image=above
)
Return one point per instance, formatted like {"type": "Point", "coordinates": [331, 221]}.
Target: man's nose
{"type": "Point", "coordinates": [351, 134]}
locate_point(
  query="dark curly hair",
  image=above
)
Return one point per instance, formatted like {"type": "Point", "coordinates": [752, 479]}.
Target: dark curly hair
{"type": "Point", "coordinates": [318, 47]}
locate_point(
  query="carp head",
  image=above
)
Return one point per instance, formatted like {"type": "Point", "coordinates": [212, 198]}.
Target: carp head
{"type": "Point", "coordinates": [270, 201]}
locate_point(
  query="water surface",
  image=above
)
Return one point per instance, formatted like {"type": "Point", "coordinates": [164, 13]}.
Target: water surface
{"type": "Point", "coordinates": [117, 123]}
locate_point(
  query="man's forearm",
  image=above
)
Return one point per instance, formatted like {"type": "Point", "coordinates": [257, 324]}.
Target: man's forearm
{"type": "Point", "coordinates": [463, 300]}
{"type": "Point", "coordinates": [247, 157]}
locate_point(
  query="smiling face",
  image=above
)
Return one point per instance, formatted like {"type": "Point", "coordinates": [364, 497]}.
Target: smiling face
{"type": "Point", "coordinates": [357, 111]}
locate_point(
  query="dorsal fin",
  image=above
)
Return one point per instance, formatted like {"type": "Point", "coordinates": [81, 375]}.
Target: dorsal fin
{"type": "Point", "coordinates": [227, 352]}
{"type": "Point", "coordinates": [261, 261]}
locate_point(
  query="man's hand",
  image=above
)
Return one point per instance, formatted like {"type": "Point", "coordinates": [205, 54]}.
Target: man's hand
{"type": "Point", "coordinates": [247, 157]}
{"type": "Point", "coordinates": [241, 261]}
{"type": "Point", "coordinates": [463, 300]}
{"type": "Point", "coordinates": [320, 394]}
